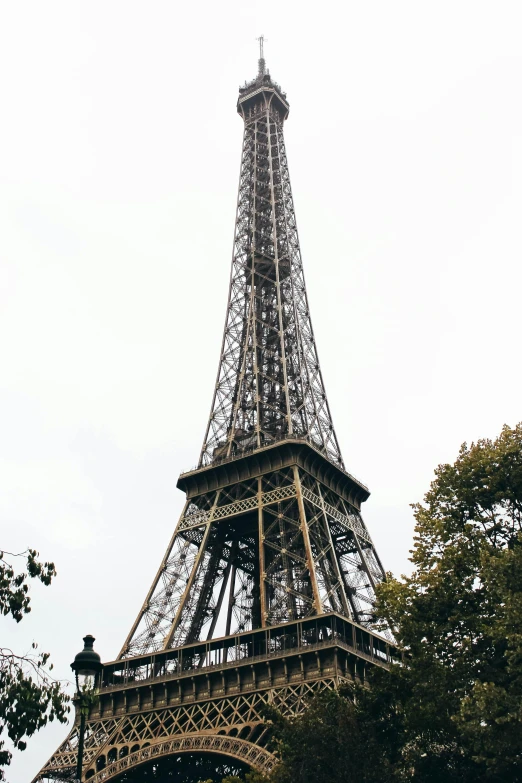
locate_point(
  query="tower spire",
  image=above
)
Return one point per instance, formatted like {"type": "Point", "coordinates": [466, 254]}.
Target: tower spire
{"type": "Point", "coordinates": [261, 61]}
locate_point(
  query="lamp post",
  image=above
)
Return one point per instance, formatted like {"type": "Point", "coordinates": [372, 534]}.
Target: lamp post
{"type": "Point", "coordinates": [86, 667]}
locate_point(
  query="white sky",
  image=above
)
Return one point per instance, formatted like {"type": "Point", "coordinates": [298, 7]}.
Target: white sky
{"type": "Point", "coordinates": [120, 151]}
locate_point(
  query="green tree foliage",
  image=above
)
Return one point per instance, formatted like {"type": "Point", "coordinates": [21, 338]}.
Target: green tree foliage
{"type": "Point", "coordinates": [459, 618]}
{"type": "Point", "coordinates": [491, 713]}
{"type": "Point", "coordinates": [29, 696]}
{"type": "Point", "coordinates": [452, 711]}
{"type": "Point", "coordinates": [332, 741]}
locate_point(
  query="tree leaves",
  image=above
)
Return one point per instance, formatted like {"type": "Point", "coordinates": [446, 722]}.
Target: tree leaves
{"type": "Point", "coordinates": [459, 616]}
{"type": "Point", "coordinates": [14, 590]}
{"type": "Point", "coordinates": [29, 696]}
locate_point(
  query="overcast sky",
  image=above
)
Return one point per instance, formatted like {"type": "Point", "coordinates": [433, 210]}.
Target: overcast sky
{"type": "Point", "coordinates": [120, 149]}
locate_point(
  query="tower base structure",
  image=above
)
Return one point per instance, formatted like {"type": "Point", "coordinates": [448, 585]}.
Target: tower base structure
{"type": "Point", "coordinates": [205, 701]}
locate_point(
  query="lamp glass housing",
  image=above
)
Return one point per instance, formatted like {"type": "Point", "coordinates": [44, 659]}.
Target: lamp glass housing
{"type": "Point", "coordinates": [86, 666]}
{"type": "Point", "coordinates": [85, 681]}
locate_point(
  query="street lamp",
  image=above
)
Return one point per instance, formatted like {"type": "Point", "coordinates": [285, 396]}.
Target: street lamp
{"type": "Point", "coordinates": [86, 667]}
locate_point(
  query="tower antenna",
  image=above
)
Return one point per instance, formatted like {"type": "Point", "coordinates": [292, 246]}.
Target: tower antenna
{"type": "Point", "coordinates": [262, 64]}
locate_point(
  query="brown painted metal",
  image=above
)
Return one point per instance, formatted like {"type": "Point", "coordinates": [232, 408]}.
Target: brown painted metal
{"type": "Point", "coordinates": [317, 603]}
{"type": "Point", "coordinates": [209, 697]}
{"type": "Point", "coordinates": [269, 384]}
{"type": "Point", "coordinates": [270, 550]}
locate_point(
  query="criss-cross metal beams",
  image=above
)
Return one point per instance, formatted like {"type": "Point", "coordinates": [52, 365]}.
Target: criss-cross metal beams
{"type": "Point", "coordinates": [259, 552]}
{"type": "Point", "coordinates": [116, 745]}
{"type": "Point", "coordinates": [269, 382]}
{"type": "Point", "coordinates": [210, 698]}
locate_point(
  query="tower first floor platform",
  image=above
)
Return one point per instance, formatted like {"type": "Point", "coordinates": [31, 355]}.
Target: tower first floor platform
{"type": "Point", "coordinates": [207, 700]}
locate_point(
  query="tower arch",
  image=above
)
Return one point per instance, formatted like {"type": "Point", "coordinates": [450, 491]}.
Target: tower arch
{"type": "Point", "coordinates": [214, 746]}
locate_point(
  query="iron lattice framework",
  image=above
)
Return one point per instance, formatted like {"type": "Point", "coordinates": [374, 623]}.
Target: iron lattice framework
{"type": "Point", "coordinates": [209, 698]}
{"type": "Point", "coordinates": [269, 549]}
{"type": "Point", "coordinates": [269, 382]}
{"type": "Point", "coordinates": [271, 535]}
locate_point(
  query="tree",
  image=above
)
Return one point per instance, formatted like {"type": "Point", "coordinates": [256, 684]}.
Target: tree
{"type": "Point", "coordinates": [459, 619]}
{"type": "Point", "coordinates": [490, 715]}
{"type": "Point", "coordinates": [30, 697]}
{"type": "Point", "coordinates": [331, 742]}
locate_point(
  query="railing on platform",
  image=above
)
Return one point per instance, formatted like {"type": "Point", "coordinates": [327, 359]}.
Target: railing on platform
{"type": "Point", "coordinates": [250, 450]}
{"type": "Point", "coordinates": [263, 644]}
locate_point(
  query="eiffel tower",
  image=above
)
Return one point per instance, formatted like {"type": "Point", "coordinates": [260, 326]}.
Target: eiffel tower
{"type": "Point", "coordinates": [265, 592]}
